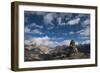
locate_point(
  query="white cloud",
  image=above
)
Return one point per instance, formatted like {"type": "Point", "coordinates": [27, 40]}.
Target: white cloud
{"type": "Point", "coordinates": [40, 40]}
{"type": "Point", "coordinates": [71, 32]}
{"type": "Point", "coordinates": [27, 37]}
{"type": "Point", "coordinates": [55, 38]}
{"type": "Point", "coordinates": [35, 25]}
{"type": "Point", "coordinates": [27, 30]}
{"type": "Point", "coordinates": [59, 20]}
{"type": "Point", "coordinates": [36, 31]}
{"type": "Point", "coordinates": [84, 37]}
{"type": "Point", "coordinates": [74, 21]}
{"type": "Point", "coordinates": [63, 16]}
{"type": "Point", "coordinates": [67, 42]}
{"type": "Point", "coordinates": [67, 18]}
{"type": "Point", "coordinates": [27, 42]}
{"type": "Point", "coordinates": [86, 42]}
{"type": "Point", "coordinates": [48, 18]}
{"type": "Point", "coordinates": [46, 41]}
{"type": "Point", "coordinates": [63, 23]}
{"type": "Point", "coordinates": [86, 23]}
{"type": "Point", "coordinates": [84, 32]}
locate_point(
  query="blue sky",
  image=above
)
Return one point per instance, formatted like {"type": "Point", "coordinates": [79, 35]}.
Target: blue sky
{"type": "Point", "coordinates": [56, 28]}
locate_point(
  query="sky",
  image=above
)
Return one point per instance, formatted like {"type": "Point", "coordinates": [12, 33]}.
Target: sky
{"type": "Point", "coordinates": [56, 28]}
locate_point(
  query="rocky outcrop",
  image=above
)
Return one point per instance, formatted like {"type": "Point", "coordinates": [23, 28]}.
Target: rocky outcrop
{"type": "Point", "coordinates": [39, 53]}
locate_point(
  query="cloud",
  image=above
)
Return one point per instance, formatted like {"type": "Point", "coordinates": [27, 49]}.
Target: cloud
{"type": "Point", "coordinates": [67, 42]}
{"type": "Point", "coordinates": [86, 23]}
{"type": "Point", "coordinates": [59, 20]}
{"type": "Point", "coordinates": [83, 37]}
{"type": "Point", "coordinates": [47, 41]}
{"type": "Point", "coordinates": [84, 32]}
{"type": "Point", "coordinates": [36, 31]}
{"type": "Point", "coordinates": [71, 32]}
{"type": "Point", "coordinates": [62, 23]}
{"type": "Point", "coordinates": [27, 42]}
{"type": "Point", "coordinates": [56, 38]}
{"type": "Point", "coordinates": [44, 41]}
{"type": "Point", "coordinates": [27, 30]}
{"type": "Point", "coordinates": [35, 25]}
{"type": "Point", "coordinates": [27, 37]}
{"type": "Point", "coordinates": [48, 18]}
{"type": "Point", "coordinates": [41, 40]}
{"type": "Point", "coordinates": [63, 18]}
{"type": "Point", "coordinates": [73, 21]}
{"type": "Point", "coordinates": [86, 42]}
{"type": "Point", "coordinates": [66, 19]}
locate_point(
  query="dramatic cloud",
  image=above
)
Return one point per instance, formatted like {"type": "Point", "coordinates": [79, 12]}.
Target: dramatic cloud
{"type": "Point", "coordinates": [52, 28]}
{"type": "Point", "coordinates": [36, 31]}
{"type": "Point", "coordinates": [40, 40]}
{"type": "Point", "coordinates": [71, 32]}
{"type": "Point", "coordinates": [86, 42]}
{"type": "Point", "coordinates": [55, 38]}
{"type": "Point", "coordinates": [48, 18]}
{"type": "Point", "coordinates": [83, 37]}
{"type": "Point", "coordinates": [74, 21]}
{"type": "Point", "coordinates": [46, 41]}
{"type": "Point", "coordinates": [85, 32]}
{"type": "Point", "coordinates": [35, 25]}
{"type": "Point", "coordinates": [86, 23]}
{"type": "Point", "coordinates": [67, 42]}
{"type": "Point", "coordinates": [27, 42]}
{"type": "Point", "coordinates": [27, 30]}
{"type": "Point", "coordinates": [59, 20]}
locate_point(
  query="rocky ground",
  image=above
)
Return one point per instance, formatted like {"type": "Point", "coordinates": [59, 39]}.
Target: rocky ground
{"type": "Point", "coordinates": [40, 53]}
